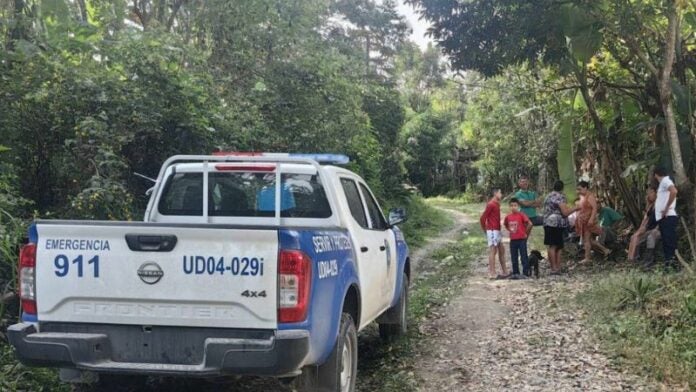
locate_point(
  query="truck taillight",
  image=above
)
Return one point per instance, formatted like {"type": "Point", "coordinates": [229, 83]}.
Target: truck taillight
{"type": "Point", "coordinates": [27, 278]}
{"type": "Point", "coordinates": [295, 279]}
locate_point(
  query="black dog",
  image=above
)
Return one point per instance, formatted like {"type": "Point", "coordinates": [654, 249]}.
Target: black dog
{"type": "Point", "coordinates": [534, 258]}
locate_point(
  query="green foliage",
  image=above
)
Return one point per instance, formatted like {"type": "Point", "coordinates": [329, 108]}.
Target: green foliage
{"type": "Point", "coordinates": [489, 36]}
{"type": "Point", "coordinates": [637, 293]}
{"type": "Point", "coordinates": [655, 333]}
{"type": "Point", "coordinates": [428, 146]}
{"type": "Point", "coordinates": [12, 231]}
{"type": "Point", "coordinates": [689, 307]}
{"type": "Point", "coordinates": [436, 158]}
{"type": "Point", "coordinates": [17, 377]}
{"type": "Point", "coordinates": [511, 128]}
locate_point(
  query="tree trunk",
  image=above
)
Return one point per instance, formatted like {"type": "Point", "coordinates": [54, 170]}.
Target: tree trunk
{"type": "Point", "coordinates": [18, 31]}
{"type": "Point", "coordinates": [632, 208]}
{"type": "Point", "coordinates": [665, 88]}
{"type": "Point", "coordinates": [83, 10]}
{"type": "Point", "coordinates": [367, 53]}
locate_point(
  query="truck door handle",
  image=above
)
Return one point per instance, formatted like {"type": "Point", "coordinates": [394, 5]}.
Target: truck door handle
{"type": "Point", "coordinates": [382, 248]}
{"type": "Point", "coordinates": [151, 243]}
{"type": "Point", "coordinates": [364, 249]}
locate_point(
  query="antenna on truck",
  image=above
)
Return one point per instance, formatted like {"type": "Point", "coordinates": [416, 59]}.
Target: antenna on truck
{"type": "Point", "coordinates": [145, 177]}
{"type": "Point", "coordinates": [149, 191]}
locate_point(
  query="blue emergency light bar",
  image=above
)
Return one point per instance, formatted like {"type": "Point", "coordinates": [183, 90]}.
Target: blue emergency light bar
{"type": "Point", "coordinates": [334, 159]}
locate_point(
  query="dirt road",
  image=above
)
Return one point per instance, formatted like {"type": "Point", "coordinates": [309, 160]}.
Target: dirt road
{"type": "Point", "coordinates": [516, 335]}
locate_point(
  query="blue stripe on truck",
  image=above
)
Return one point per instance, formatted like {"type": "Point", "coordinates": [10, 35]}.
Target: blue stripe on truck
{"type": "Point", "coordinates": [33, 234]}
{"type": "Point", "coordinates": [402, 255]}
{"type": "Point", "coordinates": [333, 272]}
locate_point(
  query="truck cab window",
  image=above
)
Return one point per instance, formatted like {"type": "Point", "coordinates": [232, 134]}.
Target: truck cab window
{"type": "Point", "coordinates": [378, 222]}
{"type": "Point", "coordinates": [241, 194]}
{"type": "Point", "coordinates": [354, 202]}
{"type": "Point", "coordinates": [183, 195]}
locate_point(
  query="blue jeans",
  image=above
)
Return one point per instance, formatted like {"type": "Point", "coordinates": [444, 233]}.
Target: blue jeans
{"type": "Point", "coordinates": [518, 249]}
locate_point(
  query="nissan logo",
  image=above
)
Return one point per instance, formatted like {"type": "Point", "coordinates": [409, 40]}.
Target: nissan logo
{"type": "Point", "coordinates": [150, 273]}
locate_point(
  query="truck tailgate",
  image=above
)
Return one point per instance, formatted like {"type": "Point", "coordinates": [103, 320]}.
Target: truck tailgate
{"type": "Point", "coordinates": [154, 274]}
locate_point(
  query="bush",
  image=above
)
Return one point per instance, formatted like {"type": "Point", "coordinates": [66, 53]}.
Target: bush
{"type": "Point", "coordinates": [648, 321]}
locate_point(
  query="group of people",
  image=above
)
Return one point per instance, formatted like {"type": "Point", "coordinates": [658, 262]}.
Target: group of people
{"type": "Point", "coordinates": [589, 221]}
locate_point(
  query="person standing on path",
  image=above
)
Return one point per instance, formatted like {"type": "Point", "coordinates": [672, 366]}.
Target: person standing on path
{"type": "Point", "coordinates": [556, 211]}
{"type": "Point", "coordinates": [666, 214]}
{"type": "Point", "coordinates": [490, 224]}
{"type": "Point", "coordinates": [528, 201]}
{"type": "Point", "coordinates": [519, 226]}
{"type": "Point", "coordinates": [587, 223]}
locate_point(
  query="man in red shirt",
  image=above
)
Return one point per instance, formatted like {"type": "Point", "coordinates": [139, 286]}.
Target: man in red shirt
{"type": "Point", "coordinates": [490, 224]}
{"type": "Point", "coordinates": [519, 226]}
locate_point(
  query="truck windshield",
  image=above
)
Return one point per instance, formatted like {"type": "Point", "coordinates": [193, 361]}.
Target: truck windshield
{"type": "Point", "coordinates": [245, 194]}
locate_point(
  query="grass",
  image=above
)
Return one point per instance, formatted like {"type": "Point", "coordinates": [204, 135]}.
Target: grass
{"type": "Point", "coordinates": [389, 367]}
{"type": "Point", "coordinates": [16, 377]}
{"type": "Point", "coordinates": [423, 221]}
{"type": "Point", "coordinates": [464, 203]}
{"type": "Point", "coordinates": [648, 321]}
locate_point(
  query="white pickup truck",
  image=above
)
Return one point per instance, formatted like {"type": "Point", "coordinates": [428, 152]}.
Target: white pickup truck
{"type": "Point", "coordinates": [259, 264]}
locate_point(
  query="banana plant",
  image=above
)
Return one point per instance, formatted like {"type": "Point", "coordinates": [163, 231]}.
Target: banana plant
{"type": "Point", "coordinates": [566, 159]}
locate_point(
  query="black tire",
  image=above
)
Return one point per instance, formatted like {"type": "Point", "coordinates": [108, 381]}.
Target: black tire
{"type": "Point", "coordinates": [396, 325]}
{"type": "Point", "coordinates": [335, 375]}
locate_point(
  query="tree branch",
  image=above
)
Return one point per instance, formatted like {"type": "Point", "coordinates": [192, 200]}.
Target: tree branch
{"type": "Point", "coordinates": [141, 14]}
{"type": "Point", "coordinates": [175, 10]}
{"type": "Point", "coordinates": [635, 48]}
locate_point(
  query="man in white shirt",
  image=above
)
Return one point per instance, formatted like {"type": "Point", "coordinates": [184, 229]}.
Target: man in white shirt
{"type": "Point", "coordinates": [666, 214]}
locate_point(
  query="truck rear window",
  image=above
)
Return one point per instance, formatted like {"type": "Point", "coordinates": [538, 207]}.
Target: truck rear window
{"type": "Point", "coordinates": [245, 194]}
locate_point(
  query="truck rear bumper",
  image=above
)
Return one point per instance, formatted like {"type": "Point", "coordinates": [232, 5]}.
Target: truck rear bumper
{"type": "Point", "coordinates": [276, 353]}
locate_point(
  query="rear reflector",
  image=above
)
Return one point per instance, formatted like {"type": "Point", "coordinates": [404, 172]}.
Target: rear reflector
{"type": "Point", "coordinates": [295, 279]}
{"type": "Point", "coordinates": [27, 278]}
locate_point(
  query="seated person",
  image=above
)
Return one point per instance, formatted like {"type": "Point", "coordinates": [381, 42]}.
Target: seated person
{"type": "Point", "coordinates": [574, 216]}
{"type": "Point", "coordinates": [571, 234]}
{"type": "Point", "coordinates": [608, 218]}
{"type": "Point", "coordinates": [648, 232]}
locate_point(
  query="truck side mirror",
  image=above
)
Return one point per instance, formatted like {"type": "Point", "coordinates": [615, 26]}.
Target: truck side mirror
{"type": "Point", "coordinates": [397, 216]}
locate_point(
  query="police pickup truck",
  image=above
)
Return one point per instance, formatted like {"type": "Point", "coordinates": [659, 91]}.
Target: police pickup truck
{"type": "Point", "coordinates": [259, 264]}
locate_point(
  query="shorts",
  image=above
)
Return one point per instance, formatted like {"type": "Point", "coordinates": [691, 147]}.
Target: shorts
{"type": "Point", "coordinates": [553, 236]}
{"type": "Point", "coordinates": [494, 237]}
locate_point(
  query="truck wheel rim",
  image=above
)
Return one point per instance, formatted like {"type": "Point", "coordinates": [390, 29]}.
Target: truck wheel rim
{"type": "Point", "coordinates": [347, 365]}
